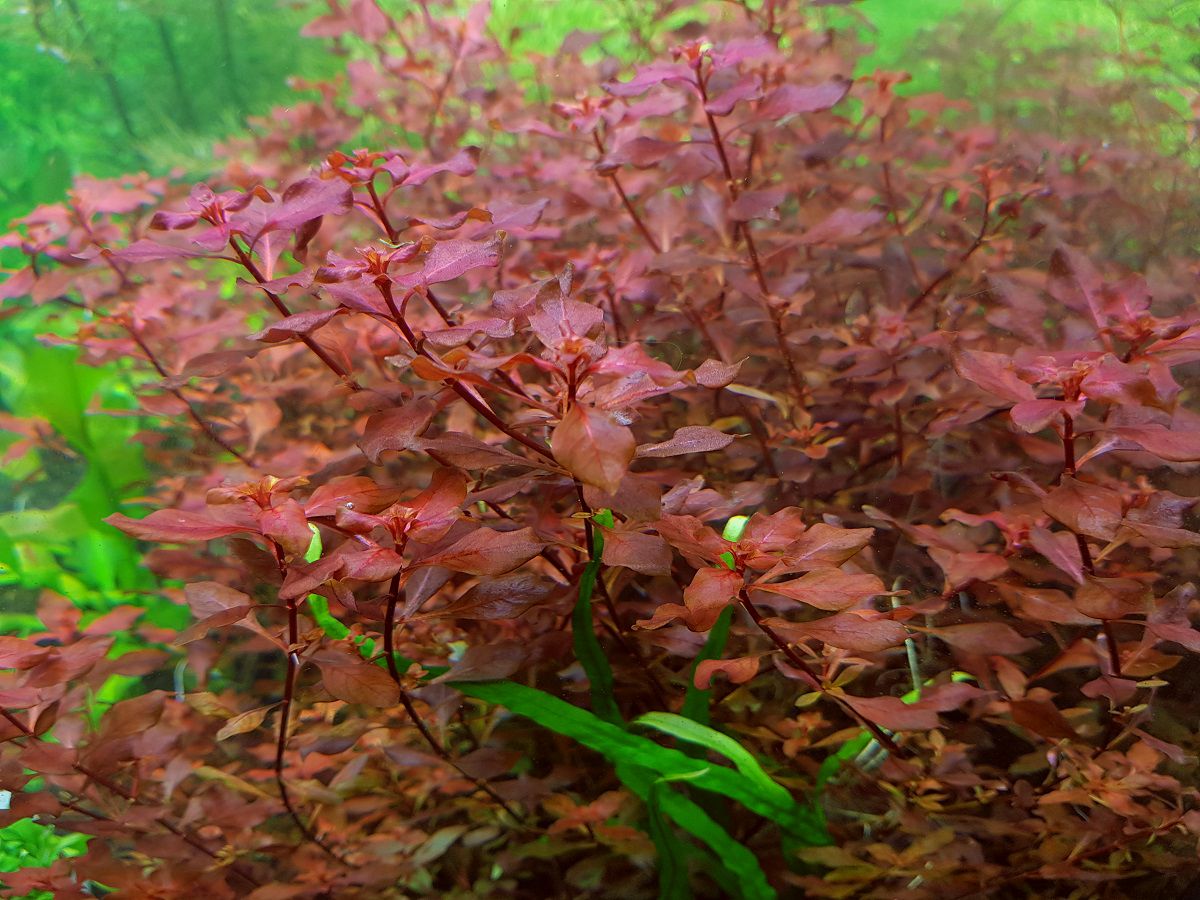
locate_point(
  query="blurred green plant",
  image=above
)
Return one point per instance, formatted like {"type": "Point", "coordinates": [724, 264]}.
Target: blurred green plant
{"type": "Point", "coordinates": [28, 844]}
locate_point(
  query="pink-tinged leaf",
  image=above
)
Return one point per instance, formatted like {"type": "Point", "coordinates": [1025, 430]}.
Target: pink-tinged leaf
{"type": "Point", "coordinates": [963, 568]}
{"type": "Point", "coordinates": [639, 152]}
{"type": "Point", "coordinates": [463, 163]}
{"type": "Point", "coordinates": [375, 565]}
{"type": "Point", "coordinates": [1043, 719]}
{"type": "Point", "coordinates": [133, 716]}
{"type": "Point", "coordinates": [591, 445]}
{"type": "Point", "coordinates": [243, 723]}
{"type": "Point", "coordinates": [841, 226]}
{"type": "Point", "coordinates": [864, 631]}
{"type": "Point", "coordinates": [985, 638]}
{"type": "Point", "coordinates": [893, 713]}
{"type": "Point", "coordinates": [487, 552]}
{"type": "Point", "coordinates": [1113, 598]}
{"type": "Point", "coordinates": [486, 662]}
{"type": "Point", "coordinates": [300, 324]}
{"type": "Point", "coordinates": [1033, 416]}
{"type": "Point", "coordinates": [305, 578]}
{"type": "Point", "coordinates": [561, 319]}
{"type": "Point", "coordinates": [352, 680]}
{"type": "Point", "coordinates": [689, 439]}
{"type": "Point", "coordinates": [994, 373]}
{"type": "Point", "coordinates": [173, 221]}
{"type": "Point", "coordinates": [1119, 690]}
{"type": "Point", "coordinates": [699, 544]}
{"type": "Point", "coordinates": [506, 597]}
{"type": "Point", "coordinates": [355, 492]}
{"type": "Point", "coordinates": [207, 598]}
{"type": "Point", "coordinates": [468, 452]}
{"type": "Point", "coordinates": [1085, 508]}
{"type": "Point", "coordinates": [648, 76]}
{"type": "Point", "coordinates": [644, 553]}
{"type": "Point", "coordinates": [739, 50]}
{"type": "Point", "coordinates": [1042, 605]}
{"type": "Point", "coordinates": [707, 596]}
{"type": "Point", "coordinates": [219, 362]}
{"type": "Point", "coordinates": [757, 205]}
{"type": "Point", "coordinates": [308, 199]}
{"type": "Point", "coordinates": [1184, 635]}
{"type": "Point", "coordinates": [235, 615]}
{"type": "Point", "coordinates": [822, 546]}
{"type": "Point", "coordinates": [1060, 548]}
{"type": "Point", "coordinates": [451, 259]}
{"type": "Point", "coordinates": [150, 251]}
{"type": "Point", "coordinates": [18, 653]}
{"type": "Point", "coordinates": [738, 671]}
{"type": "Point", "coordinates": [1165, 443]}
{"type": "Point", "coordinates": [397, 429]}
{"type": "Point", "coordinates": [665, 614]}
{"type": "Point", "coordinates": [1161, 536]}
{"type": "Point", "coordinates": [715, 374]}
{"type": "Point", "coordinates": [792, 99]}
{"type": "Point", "coordinates": [175, 526]}
{"type": "Point", "coordinates": [723, 104]}
{"type": "Point", "coordinates": [286, 524]}
{"type": "Point", "coordinates": [828, 589]}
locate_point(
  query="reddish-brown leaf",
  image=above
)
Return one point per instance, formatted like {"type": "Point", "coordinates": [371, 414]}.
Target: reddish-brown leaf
{"type": "Point", "coordinates": [352, 680]}
{"type": "Point", "coordinates": [738, 671]}
{"type": "Point", "coordinates": [591, 445]}
{"type": "Point", "coordinates": [487, 552]}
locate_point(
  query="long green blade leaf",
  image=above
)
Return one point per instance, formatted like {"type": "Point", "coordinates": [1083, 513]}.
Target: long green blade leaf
{"type": "Point", "coordinates": [587, 646]}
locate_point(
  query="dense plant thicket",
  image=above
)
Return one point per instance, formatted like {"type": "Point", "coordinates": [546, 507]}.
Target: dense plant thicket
{"type": "Point", "coordinates": [724, 476]}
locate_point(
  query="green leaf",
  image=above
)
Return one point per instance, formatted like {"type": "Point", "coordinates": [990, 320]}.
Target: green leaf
{"type": "Point", "coordinates": [587, 646]}
{"type": "Point", "coordinates": [694, 733]}
{"type": "Point", "coordinates": [748, 879]}
{"type": "Point", "coordinates": [619, 746]}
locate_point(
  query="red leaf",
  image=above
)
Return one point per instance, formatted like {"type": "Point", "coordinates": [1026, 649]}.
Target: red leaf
{"type": "Point", "coordinates": [286, 524]}
{"type": "Point", "coordinates": [506, 597]}
{"type": "Point", "coordinates": [592, 446]}
{"type": "Point", "coordinates": [840, 226]}
{"type": "Point", "coordinates": [487, 552]}
{"type": "Point", "coordinates": [207, 598]}
{"type": "Point", "coordinates": [450, 259]}
{"type": "Point", "coordinates": [308, 199]}
{"type": "Point", "coordinates": [994, 373]}
{"type": "Point", "coordinates": [355, 492]}
{"type": "Point", "coordinates": [893, 713]}
{"type": "Point", "coordinates": [397, 429]}
{"type": "Point", "coordinates": [645, 553]}
{"type": "Point", "coordinates": [738, 671]}
{"type": "Point", "coordinates": [829, 589]}
{"type": "Point", "coordinates": [18, 653]}
{"type": "Point", "coordinates": [984, 638]}
{"type": "Point", "coordinates": [1043, 719]}
{"type": "Point", "coordinates": [1085, 508]}
{"type": "Point", "coordinates": [709, 593]}
{"type": "Point", "coordinates": [1060, 548]}
{"type": "Point", "coordinates": [174, 526]}
{"type": "Point", "coordinates": [352, 680]}
{"type": "Point", "coordinates": [487, 662]}
{"type": "Point", "coordinates": [820, 547]}
{"type": "Point", "coordinates": [757, 205]}
{"type": "Point", "coordinates": [792, 99]}
{"type": "Point", "coordinates": [300, 324]}
{"type": "Point", "coordinates": [865, 631]}
{"type": "Point", "coordinates": [689, 439]}
{"type": "Point", "coordinates": [1165, 443]}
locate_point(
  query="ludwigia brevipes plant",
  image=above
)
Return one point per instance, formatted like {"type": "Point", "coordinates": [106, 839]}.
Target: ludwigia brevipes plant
{"type": "Point", "coordinates": [725, 477]}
